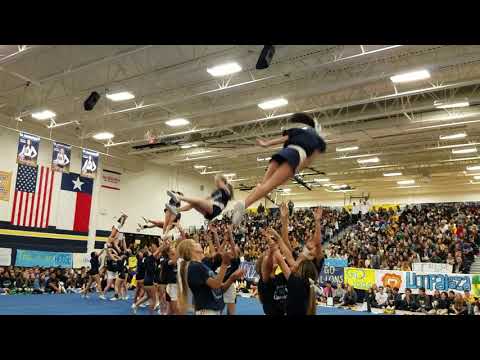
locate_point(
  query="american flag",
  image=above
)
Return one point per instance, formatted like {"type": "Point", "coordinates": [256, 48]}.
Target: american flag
{"type": "Point", "coordinates": [33, 196]}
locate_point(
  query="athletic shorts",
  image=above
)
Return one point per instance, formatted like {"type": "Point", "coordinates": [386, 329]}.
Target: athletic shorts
{"type": "Point", "coordinates": [172, 291]}
{"type": "Point", "coordinates": [148, 282]}
{"type": "Point", "coordinates": [122, 275]}
{"type": "Point", "coordinates": [216, 211]}
{"type": "Point", "coordinates": [92, 273]}
{"type": "Point", "coordinates": [230, 295]}
{"type": "Point", "coordinates": [293, 155]}
{"type": "Point", "coordinates": [111, 275]}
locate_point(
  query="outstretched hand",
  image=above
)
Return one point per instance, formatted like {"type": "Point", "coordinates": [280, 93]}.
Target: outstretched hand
{"type": "Point", "coordinates": [318, 214]}
{"type": "Point", "coordinates": [284, 210]}
{"type": "Point", "coordinates": [262, 143]}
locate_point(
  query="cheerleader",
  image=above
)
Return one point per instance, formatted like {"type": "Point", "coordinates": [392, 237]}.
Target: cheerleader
{"type": "Point", "coordinates": [139, 276]}
{"type": "Point", "coordinates": [111, 265]}
{"type": "Point", "coordinates": [300, 148]}
{"type": "Point", "coordinates": [113, 238]}
{"type": "Point", "coordinates": [28, 152]}
{"type": "Point", "coordinates": [93, 274]}
{"type": "Point", "coordinates": [62, 159]}
{"type": "Point", "coordinates": [210, 207]}
{"type": "Point", "coordinates": [149, 279]}
{"type": "Point", "coordinates": [89, 167]}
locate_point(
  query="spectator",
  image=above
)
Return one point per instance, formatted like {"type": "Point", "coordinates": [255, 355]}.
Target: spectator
{"type": "Point", "coordinates": [423, 301]}
{"type": "Point", "coordinates": [350, 297]}
{"type": "Point", "coordinates": [327, 291]}
{"type": "Point", "coordinates": [339, 293]}
{"type": "Point", "coordinates": [381, 297]}
{"type": "Point", "coordinates": [459, 307]}
{"type": "Point", "coordinates": [408, 301]}
{"type": "Point", "coordinates": [52, 285]}
{"type": "Point", "coordinates": [370, 299]}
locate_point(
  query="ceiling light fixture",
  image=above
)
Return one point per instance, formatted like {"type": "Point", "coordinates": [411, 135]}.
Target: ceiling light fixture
{"type": "Point", "coordinates": [473, 168]}
{"type": "Point", "coordinates": [43, 115]}
{"type": "Point", "coordinates": [120, 96]}
{"type": "Point", "coordinates": [177, 122]}
{"type": "Point", "coordinates": [392, 174]}
{"type": "Point", "coordinates": [105, 135]}
{"type": "Point", "coordinates": [410, 76]}
{"type": "Point", "coordinates": [224, 69]}
{"type": "Point", "coordinates": [199, 166]}
{"type": "Point", "coordinates": [322, 180]}
{"type": "Point", "coordinates": [369, 161]}
{"type": "Point", "coordinates": [272, 104]}
{"type": "Point", "coordinates": [230, 175]}
{"type": "Point", "coordinates": [450, 105]}
{"type": "Point", "coordinates": [348, 148]}
{"type": "Point", "coordinates": [464, 151]}
{"type": "Point", "coordinates": [453, 136]}
{"type": "Point", "coordinates": [188, 146]}
{"type": "Point", "coordinates": [264, 159]}
{"type": "Point", "coordinates": [406, 182]}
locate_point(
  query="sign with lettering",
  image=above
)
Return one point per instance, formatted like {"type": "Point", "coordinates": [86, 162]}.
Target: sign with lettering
{"type": "Point", "coordinates": [334, 274]}
{"type": "Point", "coordinates": [28, 258]}
{"type": "Point", "coordinates": [337, 262]}
{"type": "Point", "coordinates": [5, 182]}
{"type": "Point", "coordinates": [437, 281]}
{"type": "Point", "coordinates": [362, 279]}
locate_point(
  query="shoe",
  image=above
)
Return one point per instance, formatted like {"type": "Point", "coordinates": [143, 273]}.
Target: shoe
{"type": "Point", "coordinates": [173, 196]}
{"type": "Point", "coordinates": [145, 219]}
{"type": "Point", "coordinates": [126, 298]}
{"type": "Point", "coordinates": [157, 307]}
{"type": "Point", "coordinates": [238, 212]}
{"type": "Point", "coordinates": [172, 209]}
{"type": "Point", "coordinates": [102, 297]}
{"type": "Point", "coordinates": [139, 228]}
{"type": "Point", "coordinates": [134, 308]}
{"type": "Point", "coordinates": [124, 213]}
{"type": "Point", "coordinates": [144, 305]}
{"type": "Point", "coordinates": [113, 298]}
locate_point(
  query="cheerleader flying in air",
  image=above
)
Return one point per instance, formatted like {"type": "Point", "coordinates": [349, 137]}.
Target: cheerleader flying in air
{"type": "Point", "coordinates": [300, 147]}
{"type": "Point", "coordinates": [210, 207]}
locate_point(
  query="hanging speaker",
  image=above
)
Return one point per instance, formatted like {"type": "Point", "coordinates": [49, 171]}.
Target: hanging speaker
{"type": "Point", "coordinates": [91, 101]}
{"type": "Point", "coordinates": [265, 57]}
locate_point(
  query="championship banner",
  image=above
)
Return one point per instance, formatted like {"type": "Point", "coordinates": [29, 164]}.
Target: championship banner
{"type": "Point", "coordinates": [458, 283]}
{"type": "Point", "coordinates": [336, 262]}
{"type": "Point", "coordinates": [27, 152]}
{"type": "Point", "coordinates": [61, 156]}
{"type": "Point", "coordinates": [111, 179]}
{"type": "Point", "coordinates": [334, 274]}
{"type": "Point", "coordinates": [5, 257]}
{"type": "Point", "coordinates": [391, 278]}
{"type": "Point", "coordinates": [28, 258]}
{"type": "Point", "coordinates": [362, 279]}
{"type": "Point", "coordinates": [5, 182]}
{"type": "Point", "coordinates": [432, 267]}
{"type": "Point", "coordinates": [89, 163]}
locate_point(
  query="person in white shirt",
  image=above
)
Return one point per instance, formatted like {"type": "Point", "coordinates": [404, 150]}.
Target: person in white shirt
{"type": "Point", "coordinates": [381, 297]}
{"type": "Point", "coordinates": [62, 159]}
{"type": "Point", "coordinates": [89, 166]}
{"type": "Point", "coordinates": [28, 152]}
{"type": "Point", "coordinates": [355, 211]}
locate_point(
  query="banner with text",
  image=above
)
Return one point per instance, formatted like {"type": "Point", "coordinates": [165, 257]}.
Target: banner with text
{"type": "Point", "coordinates": [89, 163]}
{"type": "Point", "coordinates": [28, 258]}
{"type": "Point", "coordinates": [334, 274]}
{"type": "Point", "coordinates": [111, 179]}
{"type": "Point", "coordinates": [81, 260]}
{"type": "Point", "coordinates": [432, 267]}
{"type": "Point", "coordinates": [5, 257]}
{"type": "Point", "coordinates": [61, 156]}
{"type": "Point", "coordinates": [362, 279]}
{"type": "Point", "coordinates": [391, 278]}
{"type": "Point", "coordinates": [27, 152]}
{"type": "Point", "coordinates": [336, 262]}
{"type": "Point", "coordinates": [437, 281]}
{"type": "Point", "coordinates": [5, 183]}
{"type": "Point", "coordinates": [249, 267]}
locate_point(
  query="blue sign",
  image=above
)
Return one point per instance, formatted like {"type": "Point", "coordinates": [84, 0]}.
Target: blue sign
{"type": "Point", "coordinates": [334, 274]}
{"type": "Point", "coordinates": [249, 267]}
{"type": "Point", "coordinates": [440, 282]}
{"type": "Point", "coordinates": [28, 258]}
{"type": "Point", "coordinates": [337, 262]}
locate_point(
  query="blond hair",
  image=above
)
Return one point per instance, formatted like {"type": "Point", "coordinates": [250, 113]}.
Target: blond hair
{"type": "Point", "coordinates": [184, 251]}
{"type": "Point", "coordinates": [307, 270]}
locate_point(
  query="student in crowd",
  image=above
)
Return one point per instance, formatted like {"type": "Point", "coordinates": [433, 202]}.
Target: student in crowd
{"type": "Point", "coordinates": [350, 297]}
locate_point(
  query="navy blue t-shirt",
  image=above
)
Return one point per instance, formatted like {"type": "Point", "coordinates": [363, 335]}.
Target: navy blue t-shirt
{"type": "Point", "coordinates": [234, 265]}
{"type": "Point", "coordinates": [221, 196]}
{"type": "Point", "coordinates": [307, 139]}
{"type": "Point", "coordinates": [204, 297]}
{"type": "Point", "coordinates": [273, 295]}
{"type": "Point", "coordinates": [170, 273]}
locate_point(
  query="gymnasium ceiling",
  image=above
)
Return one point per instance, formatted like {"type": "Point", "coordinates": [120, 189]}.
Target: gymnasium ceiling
{"type": "Point", "coordinates": [346, 87]}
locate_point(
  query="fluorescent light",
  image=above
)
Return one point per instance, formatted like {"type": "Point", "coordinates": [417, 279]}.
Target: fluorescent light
{"type": "Point", "coordinates": [355, 156]}
{"type": "Point", "coordinates": [477, 177]}
{"type": "Point", "coordinates": [322, 180]}
{"type": "Point", "coordinates": [348, 148]}
{"type": "Point", "coordinates": [105, 135]}
{"type": "Point", "coordinates": [211, 172]}
{"type": "Point", "coordinates": [271, 104]}
{"type": "Point", "coordinates": [121, 96]}
{"type": "Point", "coordinates": [188, 146]}
{"type": "Point", "coordinates": [473, 168]}
{"type": "Point", "coordinates": [287, 190]}
{"type": "Point", "coordinates": [369, 161]}
{"type": "Point", "coordinates": [392, 174]}
{"type": "Point", "coordinates": [407, 187]}
{"type": "Point", "coordinates": [198, 152]}
{"type": "Point", "coordinates": [464, 151]}
{"type": "Point", "coordinates": [224, 69]}
{"type": "Point", "coordinates": [474, 182]}
{"type": "Point", "coordinates": [406, 182]}
{"type": "Point", "coordinates": [264, 159]}
{"type": "Point", "coordinates": [326, 185]}
{"type": "Point", "coordinates": [177, 122]}
{"type": "Point", "coordinates": [450, 105]}
{"type": "Point", "coordinates": [43, 115]}
{"type": "Point", "coordinates": [230, 175]}
{"type": "Point", "coordinates": [199, 166]}
{"type": "Point", "coordinates": [453, 136]}
{"type": "Point", "coordinates": [411, 76]}
{"type": "Point", "coordinates": [242, 179]}
{"type": "Point", "coordinates": [336, 187]}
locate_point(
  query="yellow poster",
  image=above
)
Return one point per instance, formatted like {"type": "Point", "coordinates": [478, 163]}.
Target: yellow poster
{"type": "Point", "coordinates": [5, 181]}
{"type": "Point", "coordinates": [362, 279]}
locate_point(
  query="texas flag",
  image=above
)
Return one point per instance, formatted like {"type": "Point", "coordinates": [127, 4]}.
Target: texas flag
{"type": "Point", "coordinates": [74, 201]}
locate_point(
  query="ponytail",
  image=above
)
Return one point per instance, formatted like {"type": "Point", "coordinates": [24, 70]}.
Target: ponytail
{"type": "Point", "coordinates": [182, 283]}
{"type": "Point", "coordinates": [312, 303]}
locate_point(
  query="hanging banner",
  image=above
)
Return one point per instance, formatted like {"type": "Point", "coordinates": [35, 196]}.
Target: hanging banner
{"type": "Point", "coordinates": [476, 285]}
{"type": "Point", "coordinates": [437, 281]}
{"type": "Point", "coordinates": [334, 274]}
{"type": "Point", "coordinates": [432, 267]}
{"type": "Point", "coordinates": [391, 278]}
{"type": "Point", "coordinates": [27, 152]}
{"type": "Point", "coordinates": [336, 262]}
{"type": "Point", "coordinates": [5, 182]}
{"type": "Point", "coordinates": [89, 163]}
{"type": "Point", "coordinates": [111, 179]}
{"type": "Point", "coordinates": [5, 257]}
{"type": "Point", "coordinates": [61, 156]}
{"type": "Point", "coordinates": [28, 258]}
{"type": "Point", "coordinates": [362, 279]}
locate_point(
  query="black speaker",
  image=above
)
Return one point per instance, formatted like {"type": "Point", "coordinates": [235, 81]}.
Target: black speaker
{"type": "Point", "coordinates": [91, 101]}
{"type": "Point", "coordinates": [265, 57]}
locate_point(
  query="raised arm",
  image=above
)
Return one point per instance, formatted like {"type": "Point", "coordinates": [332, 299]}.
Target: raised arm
{"type": "Point", "coordinates": [285, 251]}
{"type": "Point", "coordinates": [268, 143]}
{"type": "Point", "coordinates": [283, 265]}
{"type": "Point", "coordinates": [317, 236]}
{"type": "Point", "coordinates": [284, 221]}
{"type": "Point", "coordinates": [217, 281]}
